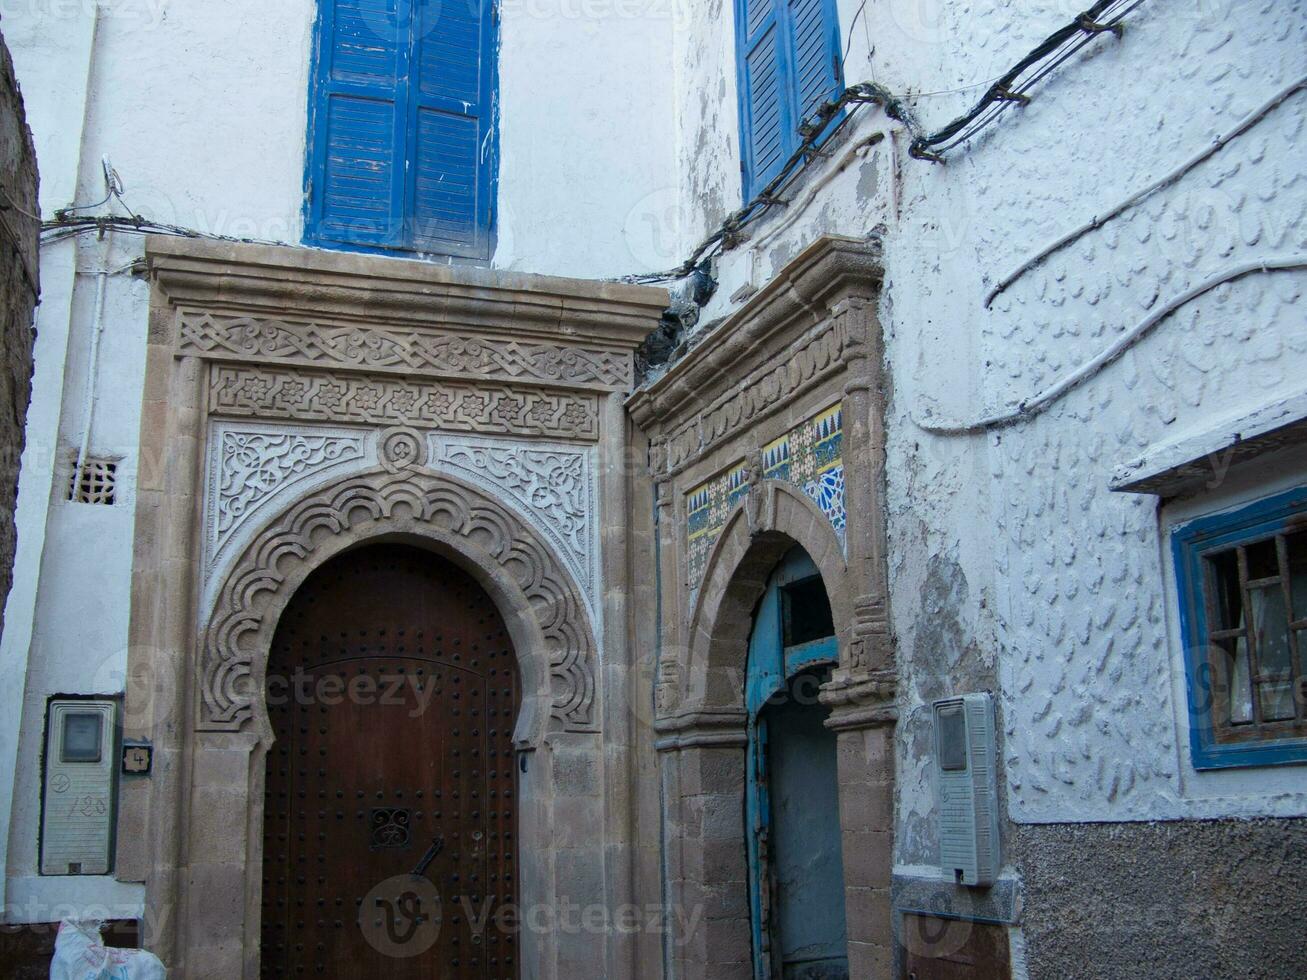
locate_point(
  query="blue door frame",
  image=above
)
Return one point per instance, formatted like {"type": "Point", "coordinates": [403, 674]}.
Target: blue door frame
{"type": "Point", "coordinates": [770, 667]}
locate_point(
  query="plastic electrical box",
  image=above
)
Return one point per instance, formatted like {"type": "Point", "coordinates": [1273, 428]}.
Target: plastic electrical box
{"type": "Point", "coordinates": [965, 754]}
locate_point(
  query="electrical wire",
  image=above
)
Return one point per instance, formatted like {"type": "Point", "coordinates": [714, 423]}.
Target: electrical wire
{"type": "Point", "coordinates": [1007, 90]}
{"type": "Point", "coordinates": [1242, 126]}
{"type": "Point", "coordinates": [1036, 404]}
{"type": "Point", "coordinates": [56, 231]}
{"type": "Point", "coordinates": [848, 44]}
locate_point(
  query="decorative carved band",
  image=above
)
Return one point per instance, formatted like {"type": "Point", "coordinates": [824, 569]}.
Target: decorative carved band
{"type": "Point", "coordinates": [812, 359]}
{"type": "Point", "coordinates": [246, 611]}
{"type": "Point", "coordinates": [398, 349]}
{"type": "Point", "coordinates": [291, 393]}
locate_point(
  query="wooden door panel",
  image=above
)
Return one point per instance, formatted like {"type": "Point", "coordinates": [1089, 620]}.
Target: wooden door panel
{"type": "Point", "coordinates": [390, 816]}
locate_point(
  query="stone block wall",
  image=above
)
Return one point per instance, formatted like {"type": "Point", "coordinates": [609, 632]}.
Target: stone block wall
{"type": "Point", "coordinates": [19, 291]}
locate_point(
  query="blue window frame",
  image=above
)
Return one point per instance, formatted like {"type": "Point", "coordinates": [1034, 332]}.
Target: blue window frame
{"type": "Point", "coordinates": [788, 60]}
{"type": "Point", "coordinates": [1242, 578]}
{"type": "Point", "coordinates": [402, 128]}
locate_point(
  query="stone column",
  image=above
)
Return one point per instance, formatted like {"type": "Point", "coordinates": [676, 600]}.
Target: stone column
{"type": "Point", "coordinates": [862, 690]}
{"type": "Point", "coordinates": [703, 763]}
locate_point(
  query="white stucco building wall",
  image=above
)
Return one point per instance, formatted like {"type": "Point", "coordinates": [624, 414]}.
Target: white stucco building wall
{"type": "Point", "coordinates": [201, 109]}
{"type": "Point", "coordinates": [1013, 566]}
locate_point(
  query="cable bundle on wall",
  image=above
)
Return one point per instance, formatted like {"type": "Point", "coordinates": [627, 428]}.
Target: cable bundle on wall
{"type": "Point", "coordinates": [1104, 17]}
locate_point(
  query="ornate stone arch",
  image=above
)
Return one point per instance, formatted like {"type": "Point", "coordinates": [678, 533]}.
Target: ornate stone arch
{"type": "Point", "coordinates": [770, 520]}
{"type": "Point", "coordinates": [543, 607]}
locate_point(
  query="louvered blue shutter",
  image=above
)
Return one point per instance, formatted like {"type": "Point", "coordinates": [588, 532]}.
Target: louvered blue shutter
{"type": "Point", "coordinates": [357, 133]}
{"type": "Point", "coordinates": [788, 56]}
{"type": "Point", "coordinates": [814, 27]}
{"type": "Point", "coordinates": [765, 121]}
{"type": "Point", "coordinates": [452, 127]}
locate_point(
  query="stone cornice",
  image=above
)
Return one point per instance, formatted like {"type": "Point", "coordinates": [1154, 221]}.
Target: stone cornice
{"type": "Point", "coordinates": [344, 288]}
{"type": "Point", "coordinates": [712, 728]}
{"type": "Point", "coordinates": [860, 698]}
{"type": "Point", "coordinates": [799, 298]}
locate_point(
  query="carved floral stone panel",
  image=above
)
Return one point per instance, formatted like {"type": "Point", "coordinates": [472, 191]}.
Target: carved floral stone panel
{"type": "Point", "coordinates": [398, 348]}
{"type": "Point", "coordinates": [292, 393]}
{"type": "Point", "coordinates": [816, 356]}
{"type": "Point", "coordinates": [554, 486]}
{"type": "Point", "coordinates": [254, 468]}
{"type": "Point", "coordinates": [247, 465]}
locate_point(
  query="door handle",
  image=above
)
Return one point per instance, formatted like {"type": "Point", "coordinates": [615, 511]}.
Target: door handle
{"type": "Point", "coordinates": [437, 845]}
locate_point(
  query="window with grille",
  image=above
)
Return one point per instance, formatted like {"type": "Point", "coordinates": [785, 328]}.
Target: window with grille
{"type": "Point", "coordinates": [1243, 583]}
{"type": "Point", "coordinates": [95, 483]}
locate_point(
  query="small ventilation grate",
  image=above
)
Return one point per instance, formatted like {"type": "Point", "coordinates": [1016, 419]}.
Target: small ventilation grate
{"type": "Point", "coordinates": [96, 484]}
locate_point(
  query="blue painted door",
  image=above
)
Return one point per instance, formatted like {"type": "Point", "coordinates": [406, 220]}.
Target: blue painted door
{"type": "Point", "coordinates": [796, 880]}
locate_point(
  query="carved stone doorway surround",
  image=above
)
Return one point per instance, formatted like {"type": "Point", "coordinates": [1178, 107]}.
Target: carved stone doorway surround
{"type": "Point", "coordinates": [299, 403]}
{"type": "Point", "coordinates": [767, 434]}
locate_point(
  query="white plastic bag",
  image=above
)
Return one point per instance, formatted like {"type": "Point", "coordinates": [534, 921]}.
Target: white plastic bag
{"type": "Point", "coordinates": [80, 954]}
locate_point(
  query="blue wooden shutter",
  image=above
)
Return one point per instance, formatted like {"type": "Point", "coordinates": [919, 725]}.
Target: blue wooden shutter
{"type": "Point", "coordinates": [765, 120]}
{"type": "Point", "coordinates": [452, 127]}
{"type": "Point", "coordinates": [788, 56]}
{"type": "Point", "coordinates": [357, 132]}
{"type": "Point", "coordinates": [814, 27]}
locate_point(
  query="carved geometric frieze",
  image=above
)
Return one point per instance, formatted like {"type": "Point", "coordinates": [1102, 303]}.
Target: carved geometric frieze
{"type": "Point", "coordinates": [554, 486]}
{"type": "Point", "coordinates": [491, 535]}
{"type": "Point", "coordinates": [756, 395]}
{"type": "Point", "coordinates": [302, 395]}
{"type": "Point", "coordinates": [404, 349]}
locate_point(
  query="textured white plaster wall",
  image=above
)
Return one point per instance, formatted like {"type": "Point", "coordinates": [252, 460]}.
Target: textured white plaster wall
{"type": "Point", "coordinates": [81, 575]}
{"type": "Point", "coordinates": [586, 148]}
{"type": "Point", "coordinates": [1012, 565]}
{"type": "Point", "coordinates": [202, 110]}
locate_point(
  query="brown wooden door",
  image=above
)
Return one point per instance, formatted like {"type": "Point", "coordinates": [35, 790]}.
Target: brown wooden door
{"type": "Point", "coordinates": [389, 844]}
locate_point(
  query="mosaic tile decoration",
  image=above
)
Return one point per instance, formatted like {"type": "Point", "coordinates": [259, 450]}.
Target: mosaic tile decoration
{"type": "Point", "coordinates": [708, 505]}
{"type": "Point", "coordinates": [809, 455]}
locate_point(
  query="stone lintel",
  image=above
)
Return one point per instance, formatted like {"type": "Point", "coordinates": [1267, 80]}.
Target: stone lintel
{"type": "Point", "coordinates": [1196, 460]}
{"type": "Point", "coordinates": [342, 289]}
{"type": "Point", "coordinates": [802, 296]}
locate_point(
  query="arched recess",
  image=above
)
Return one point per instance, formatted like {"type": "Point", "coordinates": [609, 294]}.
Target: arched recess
{"type": "Point", "coordinates": [541, 604]}
{"type": "Point", "coordinates": [767, 523]}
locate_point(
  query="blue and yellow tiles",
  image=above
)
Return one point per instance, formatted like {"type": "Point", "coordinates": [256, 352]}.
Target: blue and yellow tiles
{"type": "Point", "coordinates": [707, 508]}
{"type": "Point", "coordinates": [809, 455]}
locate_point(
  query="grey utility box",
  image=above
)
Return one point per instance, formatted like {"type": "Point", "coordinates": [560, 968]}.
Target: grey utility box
{"type": "Point", "coordinates": [965, 757]}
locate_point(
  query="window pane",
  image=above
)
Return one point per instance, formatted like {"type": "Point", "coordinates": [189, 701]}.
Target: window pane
{"type": "Point", "coordinates": [1297, 544]}
{"type": "Point", "coordinates": [1275, 665]}
{"type": "Point", "coordinates": [952, 739]}
{"type": "Point", "coordinates": [1224, 582]}
{"type": "Point", "coordinates": [1231, 689]}
{"type": "Point", "coordinates": [1263, 562]}
{"type": "Point", "coordinates": [81, 742]}
{"type": "Point", "coordinates": [807, 612]}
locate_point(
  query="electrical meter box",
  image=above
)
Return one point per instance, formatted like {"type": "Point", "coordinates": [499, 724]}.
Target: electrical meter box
{"type": "Point", "coordinates": [965, 755]}
{"type": "Point", "coordinates": [79, 798]}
